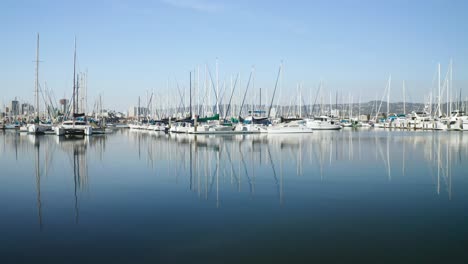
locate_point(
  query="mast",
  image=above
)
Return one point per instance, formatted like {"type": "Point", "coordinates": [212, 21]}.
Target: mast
{"type": "Point", "coordinates": [438, 85]}
{"type": "Point", "coordinates": [217, 87]}
{"type": "Point", "coordinates": [336, 104]}
{"type": "Point", "coordinates": [359, 107]}
{"type": "Point", "coordinates": [245, 93]}
{"type": "Point", "coordinates": [85, 99]}
{"type": "Point", "coordinates": [207, 91]}
{"type": "Point", "coordinates": [448, 96]}
{"type": "Point", "coordinates": [459, 103]}
{"type": "Point", "coordinates": [300, 101]}
{"type": "Point", "coordinates": [77, 93]}
{"type": "Point", "coordinates": [36, 86]}
{"type": "Point", "coordinates": [74, 83]}
{"type": "Point", "coordinates": [147, 106]}
{"type": "Point", "coordinates": [138, 111]}
{"type": "Point", "coordinates": [404, 98]}
{"type": "Point", "coordinates": [274, 91]}
{"type": "Point", "coordinates": [233, 88]}
{"type": "Point", "coordinates": [100, 110]}
{"type": "Point", "coordinates": [388, 95]}
{"type": "Point", "coordinates": [198, 90]}
{"type": "Point", "coordinates": [190, 95]}
{"type": "Point", "coordinates": [451, 85]}
{"type": "Point", "coordinates": [252, 103]}
{"type": "Point", "coordinates": [260, 103]}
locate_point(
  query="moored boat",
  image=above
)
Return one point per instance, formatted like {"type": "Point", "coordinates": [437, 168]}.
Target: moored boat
{"type": "Point", "coordinates": [322, 123]}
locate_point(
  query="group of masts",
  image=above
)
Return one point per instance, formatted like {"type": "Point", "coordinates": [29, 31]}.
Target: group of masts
{"type": "Point", "coordinates": [231, 109]}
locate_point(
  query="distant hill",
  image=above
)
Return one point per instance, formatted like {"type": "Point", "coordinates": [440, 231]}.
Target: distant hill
{"type": "Point", "coordinates": [344, 110]}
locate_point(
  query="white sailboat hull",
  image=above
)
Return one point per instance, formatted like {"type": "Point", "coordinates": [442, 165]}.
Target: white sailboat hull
{"type": "Point", "coordinates": [249, 129]}
{"type": "Point", "coordinates": [214, 129]}
{"type": "Point", "coordinates": [288, 129]}
{"type": "Point", "coordinates": [322, 125]}
{"type": "Point", "coordinates": [38, 129]}
{"type": "Point", "coordinates": [11, 126]}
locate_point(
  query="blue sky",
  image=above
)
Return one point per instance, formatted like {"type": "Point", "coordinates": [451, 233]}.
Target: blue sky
{"type": "Point", "coordinates": [129, 47]}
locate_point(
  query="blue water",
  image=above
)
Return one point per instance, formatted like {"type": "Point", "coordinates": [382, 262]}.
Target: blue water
{"type": "Point", "coordinates": [369, 196]}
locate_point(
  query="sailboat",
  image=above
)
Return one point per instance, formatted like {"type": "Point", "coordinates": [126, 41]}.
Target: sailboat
{"type": "Point", "coordinates": [383, 123]}
{"type": "Point", "coordinates": [208, 125]}
{"type": "Point", "coordinates": [249, 124]}
{"type": "Point", "coordinates": [37, 127]}
{"type": "Point", "coordinates": [75, 126]}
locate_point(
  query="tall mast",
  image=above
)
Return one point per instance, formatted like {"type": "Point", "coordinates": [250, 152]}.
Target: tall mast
{"type": "Point", "coordinates": [404, 98]}
{"type": "Point", "coordinates": [451, 85]}
{"type": "Point", "coordinates": [274, 91]}
{"type": "Point", "coordinates": [252, 103]}
{"type": "Point", "coordinates": [85, 103]}
{"type": "Point", "coordinates": [300, 100]}
{"type": "Point", "coordinates": [359, 106]}
{"type": "Point", "coordinates": [74, 79]}
{"type": "Point", "coordinates": [190, 95]}
{"type": "Point", "coordinates": [36, 86]}
{"type": "Point", "coordinates": [78, 93]}
{"type": "Point", "coordinates": [217, 87]}
{"type": "Point", "coordinates": [388, 95]}
{"type": "Point", "coordinates": [138, 111]}
{"type": "Point", "coordinates": [100, 107]}
{"type": "Point", "coordinates": [438, 85]}
{"type": "Point", "coordinates": [260, 103]}
{"type": "Point", "coordinates": [448, 95]}
{"type": "Point", "coordinates": [459, 103]}
{"type": "Point", "coordinates": [336, 104]}
{"type": "Point", "coordinates": [198, 90]}
{"type": "Point", "coordinates": [245, 93]}
{"type": "Point", "coordinates": [147, 105]}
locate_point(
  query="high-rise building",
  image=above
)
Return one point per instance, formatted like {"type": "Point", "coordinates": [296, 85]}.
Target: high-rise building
{"type": "Point", "coordinates": [64, 104]}
{"type": "Point", "coordinates": [14, 108]}
{"type": "Point", "coordinates": [133, 112]}
{"type": "Point", "coordinates": [27, 109]}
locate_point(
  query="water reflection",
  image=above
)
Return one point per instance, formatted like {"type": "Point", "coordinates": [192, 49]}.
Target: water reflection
{"type": "Point", "coordinates": [211, 163]}
{"type": "Point", "coordinates": [283, 198]}
{"type": "Point", "coordinates": [46, 155]}
{"type": "Point", "coordinates": [213, 167]}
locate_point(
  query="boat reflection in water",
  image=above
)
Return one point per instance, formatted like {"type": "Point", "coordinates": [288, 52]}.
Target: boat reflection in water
{"type": "Point", "coordinates": [46, 148]}
{"type": "Point", "coordinates": [238, 161]}
{"type": "Point", "coordinates": [146, 197]}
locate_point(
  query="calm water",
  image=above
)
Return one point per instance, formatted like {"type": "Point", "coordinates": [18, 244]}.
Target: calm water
{"type": "Point", "coordinates": [141, 197]}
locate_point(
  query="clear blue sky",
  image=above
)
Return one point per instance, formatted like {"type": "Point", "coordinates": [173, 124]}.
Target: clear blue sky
{"type": "Point", "coordinates": [129, 47]}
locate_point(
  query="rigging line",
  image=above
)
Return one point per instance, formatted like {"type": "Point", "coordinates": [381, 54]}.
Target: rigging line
{"type": "Point", "coordinates": [230, 99]}
{"type": "Point", "coordinates": [212, 84]}
{"type": "Point", "coordinates": [245, 93]}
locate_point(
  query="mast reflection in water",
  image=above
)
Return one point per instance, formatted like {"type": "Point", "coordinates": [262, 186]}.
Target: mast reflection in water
{"type": "Point", "coordinates": [137, 196]}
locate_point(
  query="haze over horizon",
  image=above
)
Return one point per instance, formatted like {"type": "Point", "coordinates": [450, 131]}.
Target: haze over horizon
{"type": "Point", "coordinates": [131, 47]}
